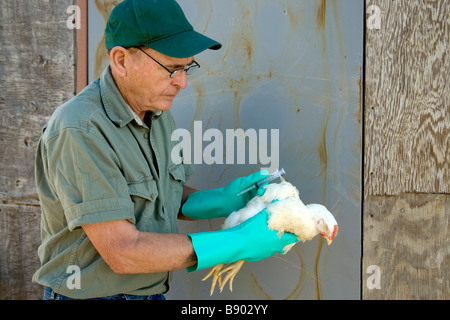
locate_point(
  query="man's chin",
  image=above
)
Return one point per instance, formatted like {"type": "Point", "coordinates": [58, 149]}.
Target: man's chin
{"type": "Point", "coordinates": [163, 106]}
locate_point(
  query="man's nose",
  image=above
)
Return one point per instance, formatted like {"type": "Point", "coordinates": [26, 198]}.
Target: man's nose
{"type": "Point", "coordinates": [180, 80]}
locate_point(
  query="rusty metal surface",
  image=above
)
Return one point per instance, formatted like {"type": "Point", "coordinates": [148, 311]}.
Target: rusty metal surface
{"type": "Point", "coordinates": [296, 67]}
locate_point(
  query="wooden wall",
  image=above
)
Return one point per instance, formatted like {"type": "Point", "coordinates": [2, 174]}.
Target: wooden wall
{"type": "Point", "coordinates": [406, 142]}
{"type": "Point", "coordinates": [37, 73]}
{"type": "Point", "coordinates": [406, 151]}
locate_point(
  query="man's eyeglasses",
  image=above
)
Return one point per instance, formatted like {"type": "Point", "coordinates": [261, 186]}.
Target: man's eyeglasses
{"type": "Point", "coordinates": [189, 70]}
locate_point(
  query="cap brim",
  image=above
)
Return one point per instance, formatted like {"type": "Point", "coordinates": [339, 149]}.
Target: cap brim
{"type": "Point", "coordinates": [184, 44]}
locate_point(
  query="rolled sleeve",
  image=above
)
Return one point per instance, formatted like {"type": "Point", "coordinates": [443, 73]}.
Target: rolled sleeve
{"type": "Point", "coordinates": [99, 211]}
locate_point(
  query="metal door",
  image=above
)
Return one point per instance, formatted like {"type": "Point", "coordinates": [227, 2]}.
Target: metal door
{"type": "Point", "coordinates": [289, 75]}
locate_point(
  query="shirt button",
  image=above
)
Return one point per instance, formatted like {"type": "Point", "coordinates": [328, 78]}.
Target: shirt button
{"type": "Point", "coordinates": [145, 136]}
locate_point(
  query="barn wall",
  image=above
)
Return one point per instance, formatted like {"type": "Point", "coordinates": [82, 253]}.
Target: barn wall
{"type": "Point", "coordinates": [36, 74]}
{"type": "Point", "coordinates": [406, 165]}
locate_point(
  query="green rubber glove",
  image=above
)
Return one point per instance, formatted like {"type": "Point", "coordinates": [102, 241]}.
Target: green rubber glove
{"type": "Point", "coordinates": [215, 203]}
{"type": "Point", "coordinates": [250, 241]}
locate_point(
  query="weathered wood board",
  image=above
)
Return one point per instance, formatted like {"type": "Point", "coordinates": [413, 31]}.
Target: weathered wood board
{"type": "Point", "coordinates": [20, 234]}
{"type": "Point", "coordinates": [408, 238]}
{"type": "Point", "coordinates": [406, 162]}
{"type": "Point", "coordinates": [37, 73]}
{"type": "Point", "coordinates": [407, 99]}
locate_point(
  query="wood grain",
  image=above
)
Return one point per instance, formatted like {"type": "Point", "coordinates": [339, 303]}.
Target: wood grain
{"type": "Point", "coordinates": [406, 209]}
{"type": "Point", "coordinates": [408, 238]}
{"type": "Point", "coordinates": [407, 99]}
{"type": "Point", "coordinates": [37, 63]}
{"type": "Point", "coordinates": [20, 234]}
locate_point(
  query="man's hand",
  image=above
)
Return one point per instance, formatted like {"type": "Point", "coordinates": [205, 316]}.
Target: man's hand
{"type": "Point", "coordinates": [222, 202]}
{"type": "Point", "coordinates": [250, 241]}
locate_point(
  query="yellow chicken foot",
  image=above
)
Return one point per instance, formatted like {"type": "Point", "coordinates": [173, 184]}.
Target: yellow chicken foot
{"type": "Point", "coordinates": [215, 271]}
{"type": "Point", "coordinates": [232, 270]}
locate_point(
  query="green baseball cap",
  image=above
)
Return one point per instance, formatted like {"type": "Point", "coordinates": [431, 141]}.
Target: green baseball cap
{"type": "Point", "coordinates": [158, 24]}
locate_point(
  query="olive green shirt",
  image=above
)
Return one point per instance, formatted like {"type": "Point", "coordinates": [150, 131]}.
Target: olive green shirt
{"type": "Point", "coordinates": [97, 162]}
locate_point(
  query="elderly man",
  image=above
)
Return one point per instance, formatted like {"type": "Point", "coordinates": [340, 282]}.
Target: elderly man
{"type": "Point", "coordinates": [110, 193]}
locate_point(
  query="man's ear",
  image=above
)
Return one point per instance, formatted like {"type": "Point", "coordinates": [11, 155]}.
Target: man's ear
{"type": "Point", "coordinates": [117, 58]}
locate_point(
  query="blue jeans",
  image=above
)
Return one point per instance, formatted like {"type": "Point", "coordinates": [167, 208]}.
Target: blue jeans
{"type": "Point", "coordinates": [49, 294]}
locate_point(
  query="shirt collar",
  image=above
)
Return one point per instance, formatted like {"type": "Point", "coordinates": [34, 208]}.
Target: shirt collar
{"type": "Point", "coordinates": [115, 106]}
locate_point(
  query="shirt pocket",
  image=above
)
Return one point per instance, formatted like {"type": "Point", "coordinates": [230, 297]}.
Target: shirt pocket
{"type": "Point", "coordinates": [145, 188]}
{"type": "Point", "coordinates": [144, 194]}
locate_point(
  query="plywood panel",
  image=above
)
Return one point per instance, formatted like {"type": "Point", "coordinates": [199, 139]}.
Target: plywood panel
{"type": "Point", "coordinates": [407, 99]}
{"type": "Point", "coordinates": [406, 165]}
{"type": "Point", "coordinates": [408, 238]}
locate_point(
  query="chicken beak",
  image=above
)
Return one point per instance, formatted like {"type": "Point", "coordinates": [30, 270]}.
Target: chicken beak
{"type": "Point", "coordinates": [330, 239]}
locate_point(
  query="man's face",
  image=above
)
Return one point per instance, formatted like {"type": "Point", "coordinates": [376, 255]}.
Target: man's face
{"type": "Point", "coordinates": [149, 85]}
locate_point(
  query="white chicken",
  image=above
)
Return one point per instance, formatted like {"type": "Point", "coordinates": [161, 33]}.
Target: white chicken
{"type": "Point", "coordinates": [287, 213]}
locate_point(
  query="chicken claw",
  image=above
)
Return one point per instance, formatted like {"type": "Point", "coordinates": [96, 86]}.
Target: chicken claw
{"type": "Point", "coordinates": [232, 270]}
{"type": "Point", "coordinates": [215, 271]}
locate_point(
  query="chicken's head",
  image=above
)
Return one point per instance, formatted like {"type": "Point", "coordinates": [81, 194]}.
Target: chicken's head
{"type": "Point", "coordinates": [325, 222]}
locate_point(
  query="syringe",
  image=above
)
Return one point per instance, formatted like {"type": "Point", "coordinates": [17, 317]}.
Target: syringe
{"type": "Point", "coordinates": [277, 174]}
